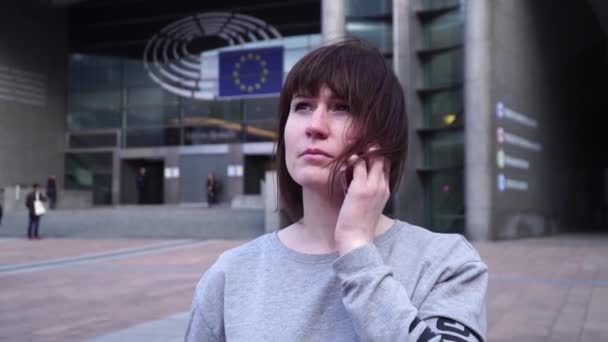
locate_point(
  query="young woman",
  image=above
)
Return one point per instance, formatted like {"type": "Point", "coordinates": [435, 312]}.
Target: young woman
{"type": "Point", "coordinates": [211, 189]}
{"type": "Point", "coordinates": [342, 271]}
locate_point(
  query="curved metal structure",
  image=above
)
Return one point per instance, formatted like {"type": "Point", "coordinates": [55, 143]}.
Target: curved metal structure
{"type": "Point", "coordinates": [169, 62]}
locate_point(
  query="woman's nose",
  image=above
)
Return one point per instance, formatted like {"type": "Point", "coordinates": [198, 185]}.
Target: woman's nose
{"type": "Point", "coordinates": [317, 125]}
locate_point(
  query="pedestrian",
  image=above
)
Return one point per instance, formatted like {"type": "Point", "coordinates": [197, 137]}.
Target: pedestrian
{"type": "Point", "coordinates": [1, 213]}
{"type": "Point", "coordinates": [141, 182]}
{"type": "Point", "coordinates": [211, 189]}
{"type": "Point", "coordinates": [51, 191]}
{"type": "Point", "coordinates": [34, 202]}
{"type": "Point", "coordinates": [342, 271]}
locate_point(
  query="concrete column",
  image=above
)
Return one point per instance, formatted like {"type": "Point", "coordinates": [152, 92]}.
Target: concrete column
{"type": "Point", "coordinates": [271, 202]}
{"type": "Point", "coordinates": [234, 185]}
{"type": "Point", "coordinates": [333, 19]}
{"type": "Point", "coordinates": [401, 40]}
{"type": "Point", "coordinates": [478, 119]}
{"type": "Point", "coordinates": [171, 185]}
{"type": "Point", "coordinates": [408, 203]}
{"type": "Point", "coordinates": [116, 177]}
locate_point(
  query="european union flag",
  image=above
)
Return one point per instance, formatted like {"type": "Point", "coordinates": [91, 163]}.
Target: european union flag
{"type": "Point", "coordinates": [251, 72]}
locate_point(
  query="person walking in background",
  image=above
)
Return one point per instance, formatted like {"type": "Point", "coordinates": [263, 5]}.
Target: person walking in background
{"type": "Point", "coordinates": [35, 205]}
{"type": "Point", "coordinates": [141, 182]}
{"type": "Point", "coordinates": [211, 189]}
{"type": "Point", "coordinates": [51, 191]}
{"type": "Point", "coordinates": [1, 214]}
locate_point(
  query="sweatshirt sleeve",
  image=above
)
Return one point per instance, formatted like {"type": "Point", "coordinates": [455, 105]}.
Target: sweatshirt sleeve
{"type": "Point", "coordinates": [206, 321]}
{"type": "Point", "coordinates": [381, 310]}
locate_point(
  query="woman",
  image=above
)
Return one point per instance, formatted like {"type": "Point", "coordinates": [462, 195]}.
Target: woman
{"type": "Point", "coordinates": [34, 203]}
{"type": "Point", "coordinates": [211, 189]}
{"type": "Point", "coordinates": [342, 271]}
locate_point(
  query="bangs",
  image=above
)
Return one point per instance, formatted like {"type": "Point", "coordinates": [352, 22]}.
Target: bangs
{"type": "Point", "coordinates": [307, 77]}
{"type": "Point", "coordinates": [350, 70]}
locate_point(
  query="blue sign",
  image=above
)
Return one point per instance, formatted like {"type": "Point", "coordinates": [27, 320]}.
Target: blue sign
{"type": "Point", "coordinates": [251, 72]}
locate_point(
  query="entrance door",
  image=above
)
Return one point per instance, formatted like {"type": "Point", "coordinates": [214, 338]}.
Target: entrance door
{"type": "Point", "coordinates": [255, 169]}
{"type": "Point", "coordinates": [153, 189]}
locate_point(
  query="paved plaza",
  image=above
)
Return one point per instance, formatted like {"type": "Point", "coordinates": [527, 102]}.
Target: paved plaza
{"type": "Point", "coordinates": [136, 289]}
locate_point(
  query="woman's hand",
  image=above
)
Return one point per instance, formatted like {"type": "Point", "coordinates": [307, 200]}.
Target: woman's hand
{"type": "Point", "coordinates": [365, 199]}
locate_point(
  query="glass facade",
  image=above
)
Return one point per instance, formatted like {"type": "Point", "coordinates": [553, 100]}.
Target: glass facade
{"type": "Point", "coordinates": [114, 103]}
{"type": "Point", "coordinates": [210, 121]}
{"type": "Point", "coordinates": [90, 171]}
{"type": "Point", "coordinates": [443, 30]}
{"type": "Point", "coordinates": [359, 8]}
{"type": "Point", "coordinates": [94, 99]}
{"type": "Point", "coordinates": [444, 150]}
{"type": "Point", "coordinates": [442, 68]}
{"type": "Point", "coordinates": [379, 33]}
{"type": "Point", "coordinates": [440, 55]}
{"type": "Point", "coordinates": [100, 139]}
{"type": "Point", "coordinates": [107, 92]}
{"type": "Point", "coordinates": [373, 22]}
{"type": "Point", "coordinates": [443, 109]}
{"type": "Point", "coordinates": [438, 4]}
{"type": "Point", "coordinates": [446, 193]}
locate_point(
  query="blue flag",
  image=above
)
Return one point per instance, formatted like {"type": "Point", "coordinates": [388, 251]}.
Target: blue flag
{"type": "Point", "coordinates": [251, 72]}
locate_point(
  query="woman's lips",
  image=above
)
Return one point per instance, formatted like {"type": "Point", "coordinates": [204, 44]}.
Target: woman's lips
{"type": "Point", "coordinates": [316, 153]}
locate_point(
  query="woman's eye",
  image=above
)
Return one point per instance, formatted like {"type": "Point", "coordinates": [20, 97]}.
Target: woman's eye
{"type": "Point", "coordinates": [342, 108]}
{"type": "Point", "coordinates": [301, 106]}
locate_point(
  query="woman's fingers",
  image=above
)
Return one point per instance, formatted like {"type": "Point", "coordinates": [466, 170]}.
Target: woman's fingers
{"type": "Point", "coordinates": [387, 170]}
{"type": "Point", "coordinates": [379, 168]}
{"type": "Point", "coordinates": [359, 169]}
{"type": "Point", "coordinates": [370, 175]}
{"type": "Point", "coordinates": [376, 170]}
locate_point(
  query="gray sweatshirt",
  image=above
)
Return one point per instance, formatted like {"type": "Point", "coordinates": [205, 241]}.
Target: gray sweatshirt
{"type": "Point", "coordinates": [409, 285]}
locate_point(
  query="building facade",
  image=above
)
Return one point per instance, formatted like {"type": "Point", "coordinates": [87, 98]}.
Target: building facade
{"type": "Point", "coordinates": [503, 102]}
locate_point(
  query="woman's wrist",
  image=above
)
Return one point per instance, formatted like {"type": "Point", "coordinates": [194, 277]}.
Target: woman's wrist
{"type": "Point", "coordinates": [347, 245]}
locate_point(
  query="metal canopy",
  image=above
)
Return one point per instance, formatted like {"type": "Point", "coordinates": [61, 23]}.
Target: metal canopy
{"type": "Point", "coordinates": [123, 28]}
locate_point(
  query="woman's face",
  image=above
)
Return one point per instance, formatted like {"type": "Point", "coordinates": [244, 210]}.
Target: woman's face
{"type": "Point", "coordinates": [315, 134]}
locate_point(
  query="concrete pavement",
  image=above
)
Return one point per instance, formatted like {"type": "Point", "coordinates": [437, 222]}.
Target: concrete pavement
{"type": "Point", "coordinates": [77, 289]}
{"type": "Point", "coordinates": [108, 290]}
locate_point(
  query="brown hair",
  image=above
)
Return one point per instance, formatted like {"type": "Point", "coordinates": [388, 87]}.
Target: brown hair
{"type": "Point", "coordinates": [357, 73]}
